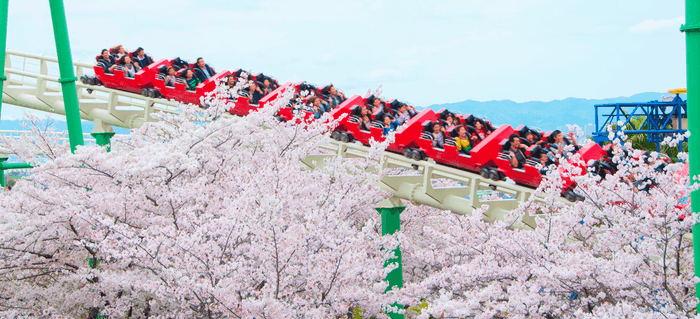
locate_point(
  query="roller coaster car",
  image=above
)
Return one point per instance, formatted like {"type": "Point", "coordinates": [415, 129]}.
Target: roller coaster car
{"type": "Point", "coordinates": [348, 128]}
{"type": "Point", "coordinates": [133, 56]}
{"type": "Point", "coordinates": [305, 86]}
{"type": "Point", "coordinates": [179, 92]}
{"type": "Point", "coordinates": [480, 159]}
{"type": "Point", "coordinates": [243, 107]}
{"type": "Point", "coordinates": [550, 140]}
{"type": "Point", "coordinates": [239, 72]}
{"type": "Point", "coordinates": [527, 175]}
{"type": "Point", "coordinates": [523, 131]}
{"type": "Point", "coordinates": [442, 115]}
{"type": "Point", "coordinates": [287, 112]}
{"type": "Point", "coordinates": [471, 120]}
{"type": "Point", "coordinates": [141, 80]}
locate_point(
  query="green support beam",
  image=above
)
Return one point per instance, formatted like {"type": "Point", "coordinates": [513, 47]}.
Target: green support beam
{"type": "Point", "coordinates": [3, 43]}
{"type": "Point", "coordinates": [103, 139]}
{"type": "Point", "coordinates": [692, 46]}
{"type": "Point", "coordinates": [5, 166]}
{"type": "Point", "coordinates": [391, 223]}
{"type": "Point", "coordinates": [67, 80]}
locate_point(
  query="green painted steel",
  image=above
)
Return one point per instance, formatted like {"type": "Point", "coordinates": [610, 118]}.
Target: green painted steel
{"type": "Point", "coordinates": [692, 46]}
{"type": "Point", "coordinates": [67, 80]}
{"type": "Point", "coordinates": [391, 223]}
{"type": "Point", "coordinates": [103, 139]}
{"type": "Point", "coordinates": [3, 42]}
{"type": "Point", "coordinates": [5, 166]}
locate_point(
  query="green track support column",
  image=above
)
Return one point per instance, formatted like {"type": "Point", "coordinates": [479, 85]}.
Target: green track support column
{"type": "Point", "coordinates": [3, 44]}
{"type": "Point", "coordinates": [5, 166]}
{"type": "Point", "coordinates": [391, 223]}
{"type": "Point", "coordinates": [103, 139]}
{"type": "Point", "coordinates": [692, 46]}
{"type": "Point", "coordinates": [67, 80]}
{"type": "Point", "coordinates": [2, 173]}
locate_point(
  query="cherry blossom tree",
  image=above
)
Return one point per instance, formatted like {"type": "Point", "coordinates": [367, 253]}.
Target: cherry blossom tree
{"type": "Point", "coordinates": [188, 217]}
{"type": "Point", "coordinates": [624, 252]}
{"type": "Point", "coordinates": [201, 215]}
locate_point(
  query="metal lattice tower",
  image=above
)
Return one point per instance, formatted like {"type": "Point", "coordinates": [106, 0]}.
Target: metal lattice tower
{"type": "Point", "coordinates": [660, 119]}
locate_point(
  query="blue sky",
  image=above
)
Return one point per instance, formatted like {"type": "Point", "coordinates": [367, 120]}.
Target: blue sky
{"type": "Point", "coordinates": [425, 52]}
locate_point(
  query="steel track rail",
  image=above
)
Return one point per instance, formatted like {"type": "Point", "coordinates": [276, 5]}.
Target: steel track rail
{"type": "Point", "coordinates": [33, 83]}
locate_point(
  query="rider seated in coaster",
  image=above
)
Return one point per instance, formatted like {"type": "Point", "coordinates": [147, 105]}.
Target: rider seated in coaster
{"type": "Point", "coordinates": [517, 157]}
{"type": "Point", "coordinates": [403, 116]}
{"type": "Point", "coordinates": [267, 87]}
{"type": "Point", "coordinates": [108, 61]}
{"type": "Point", "coordinates": [560, 142]}
{"type": "Point", "coordinates": [462, 140]}
{"type": "Point", "coordinates": [141, 57]}
{"type": "Point", "coordinates": [365, 121]}
{"type": "Point", "coordinates": [117, 51]}
{"type": "Point", "coordinates": [531, 138]}
{"type": "Point", "coordinates": [480, 134]}
{"type": "Point", "coordinates": [544, 157]}
{"type": "Point", "coordinates": [334, 98]}
{"type": "Point", "coordinates": [171, 78]}
{"type": "Point", "coordinates": [450, 122]}
{"type": "Point", "coordinates": [204, 70]}
{"type": "Point", "coordinates": [438, 135]}
{"type": "Point", "coordinates": [389, 124]}
{"type": "Point", "coordinates": [230, 81]}
{"type": "Point", "coordinates": [316, 106]}
{"type": "Point", "coordinates": [377, 105]}
{"type": "Point", "coordinates": [255, 93]}
{"type": "Point", "coordinates": [190, 80]}
{"type": "Point", "coordinates": [128, 66]}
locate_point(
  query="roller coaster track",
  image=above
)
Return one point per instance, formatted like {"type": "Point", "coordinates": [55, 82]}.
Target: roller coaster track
{"type": "Point", "coordinates": [33, 83]}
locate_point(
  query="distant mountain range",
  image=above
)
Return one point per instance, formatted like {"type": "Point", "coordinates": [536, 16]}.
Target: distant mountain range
{"type": "Point", "coordinates": [545, 115]}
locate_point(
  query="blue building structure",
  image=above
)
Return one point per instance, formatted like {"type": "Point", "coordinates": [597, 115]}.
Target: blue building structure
{"type": "Point", "coordinates": [661, 119]}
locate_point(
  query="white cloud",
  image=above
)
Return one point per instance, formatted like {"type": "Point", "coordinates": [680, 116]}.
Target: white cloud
{"type": "Point", "coordinates": [651, 25]}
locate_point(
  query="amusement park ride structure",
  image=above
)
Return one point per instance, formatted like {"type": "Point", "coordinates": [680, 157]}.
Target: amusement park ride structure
{"type": "Point", "coordinates": [660, 119]}
{"type": "Point", "coordinates": [32, 82]}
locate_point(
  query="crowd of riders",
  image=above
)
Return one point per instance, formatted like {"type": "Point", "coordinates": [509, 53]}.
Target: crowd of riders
{"type": "Point", "coordinates": [450, 128]}
{"type": "Point", "coordinates": [310, 98]}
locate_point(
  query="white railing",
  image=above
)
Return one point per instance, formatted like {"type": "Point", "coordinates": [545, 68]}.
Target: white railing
{"type": "Point", "coordinates": [32, 82]}
{"type": "Point", "coordinates": [415, 182]}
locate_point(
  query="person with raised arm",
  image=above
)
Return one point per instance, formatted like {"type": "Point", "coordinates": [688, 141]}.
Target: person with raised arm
{"type": "Point", "coordinates": [171, 78]}
{"type": "Point", "coordinates": [438, 136]}
{"type": "Point", "coordinates": [389, 124]}
{"type": "Point", "coordinates": [559, 140]}
{"type": "Point", "coordinates": [403, 116]}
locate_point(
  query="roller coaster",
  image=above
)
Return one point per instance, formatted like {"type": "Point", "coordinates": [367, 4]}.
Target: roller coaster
{"type": "Point", "coordinates": [113, 99]}
{"type": "Point", "coordinates": [33, 82]}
